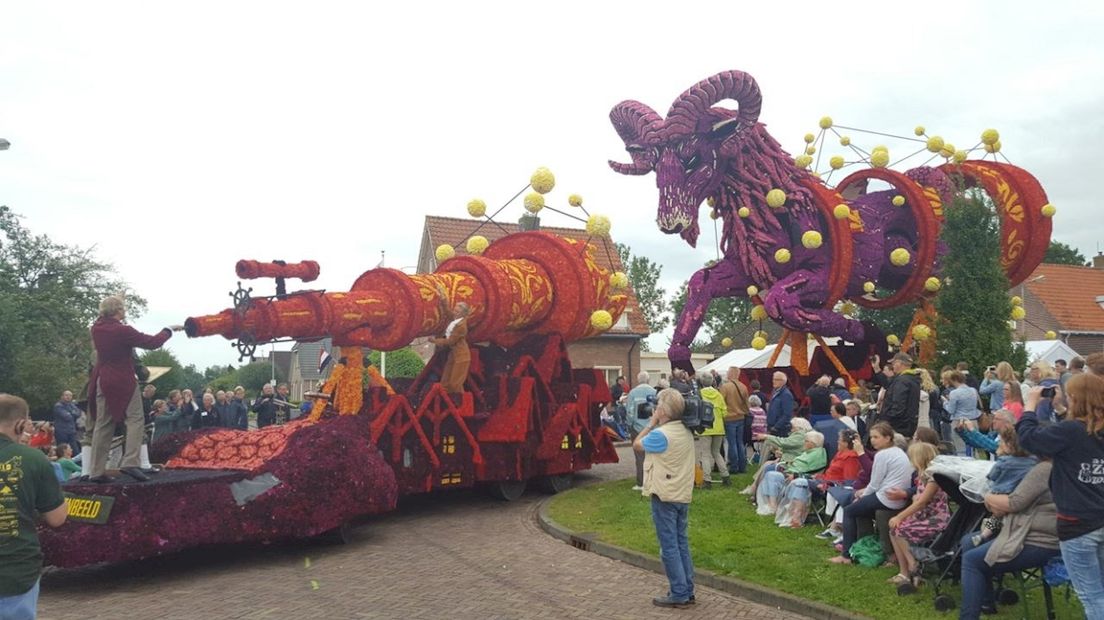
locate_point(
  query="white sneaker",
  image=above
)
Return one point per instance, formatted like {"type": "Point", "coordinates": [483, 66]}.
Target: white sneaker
{"type": "Point", "coordinates": [637, 487]}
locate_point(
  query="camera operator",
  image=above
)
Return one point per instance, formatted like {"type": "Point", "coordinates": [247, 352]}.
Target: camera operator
{"type": "Point", "coordinates": [668, 449]}
{"type": "Point", "coordinates": [634, 400]}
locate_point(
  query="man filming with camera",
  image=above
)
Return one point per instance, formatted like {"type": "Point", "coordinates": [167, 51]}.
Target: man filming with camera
{"type": "Point", "coordinates": [668, 448]}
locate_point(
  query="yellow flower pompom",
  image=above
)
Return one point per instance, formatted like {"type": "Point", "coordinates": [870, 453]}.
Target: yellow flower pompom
{"type": "Point", "coordinates": [900, 257]}
{"type": "Point", "coordinates": [879, 159]}
{"type": "Point", "coordinates": [714, 214]}
{"type": "Point", "coordinates": [869, 287]}
{"type": "Point", "coordinates": [601, 320]}
{"type": "Point", "coordinates": [534, 202]}
{"type": "Point", "coordinates": [758, 313]}
{"type": "Point", "coordinates": [477, 244]}
{"type": "Point", "coordinates": [444, 252]}
{"type": "Point", "coordinates": [1051, 334]}
{"type": "Point", "coordinates": [752, 290]}
{"type": "Point", "coordinates": [990, 136]}
{"type": "Point", "coordinates": [993, 148]}
{"type": "Point", "coordinates": [809, 138]}
{"type": "Point", "coordinates": [921, 332]}
{"type": "Point", "coordinates": [935, 144]}
{"type": "Point", "coordinates": [898, 200]}
{"type": "Point", "coordinates": [848, 308]}
{"type": "Point", "coordinates": [618, 280]}
{"type": "Point", "coordinates": [575, 200]}
{"type": "Point", "coordinates": [892, 340]}
{"type": "Point", "coordinates": [919, 131]}
{"type": "Point", "coordinates": [845, 140]}
{"type": "Point", "coordinates": [782, 256]}
{"type": "Point", "coordinates": [812, 239]}
{"type": "Point", "coordinates": [841, 211]}
{"type": "Point", "coordinates": [776, 198]}
{"type": "Point", "coordinates": [836, 162]}
{"type": "Point", "coordinates": [959, 156]}
{"type": "Point", "coordinates": [1018, 313]}
{"type": "Point", "coordinates": [760, 334]}
{"type": "Point", "coordinates": [477, 208]}
{"type": "Point", "coordinates": [1016, 300]}
{"type": "Point", "coordinates": [948, 150]}
{"type": "Point", "coordinates": [809, 150]}
{"type": "Point", "coordinates": [743, 212]}
{"type": "Point", "coordinates": [726, 342]}
{"type": "Point", "coordinates": [932, 284]}
{"type": "Point", "coordinates": [598, 225]}
{"type": "Point", "coordinates": [542, 180]}
{"type": "Point", "coordinates": [1049, 210]}
{"type": "Point", "coordinates": [758, 343]}
{"type": "Point", "coordinates": [880, 147]}
{"type": "Point", "coordinates": [825, 122]}
{"type": "Point", "coordinates": [803, 161]}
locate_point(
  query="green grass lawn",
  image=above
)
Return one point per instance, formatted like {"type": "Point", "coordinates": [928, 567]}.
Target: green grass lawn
{"type": "Point", "coordinates": [727, 537]}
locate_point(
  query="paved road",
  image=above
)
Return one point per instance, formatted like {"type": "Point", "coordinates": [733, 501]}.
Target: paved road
{"type": "Point", "coordinates": [457, 556]}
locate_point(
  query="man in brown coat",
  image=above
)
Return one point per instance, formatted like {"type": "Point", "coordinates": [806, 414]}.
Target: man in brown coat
{"type": "Point", "coordinates": [736, 403]}
{"type": "Point", "coordinates": [459, 357]}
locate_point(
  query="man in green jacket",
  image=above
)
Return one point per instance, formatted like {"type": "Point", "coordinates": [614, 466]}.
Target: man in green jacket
{"type": "Point", "coordinates": [28, 490]}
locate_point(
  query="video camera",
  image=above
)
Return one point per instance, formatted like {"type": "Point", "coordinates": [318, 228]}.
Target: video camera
{"type": "Point", "coordinates": [697, 415]}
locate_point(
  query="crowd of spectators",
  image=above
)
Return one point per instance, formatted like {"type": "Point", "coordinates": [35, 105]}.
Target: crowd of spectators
{"type": "Point", "coordinates": [862, 457]}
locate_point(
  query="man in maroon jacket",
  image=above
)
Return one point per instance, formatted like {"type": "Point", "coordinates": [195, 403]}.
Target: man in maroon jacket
{"type": "Point", "coordinates": [113, 388]}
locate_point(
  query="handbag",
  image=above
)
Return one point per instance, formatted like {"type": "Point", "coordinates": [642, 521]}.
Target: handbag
{"type": "Point", "coordinates": [867, 551]}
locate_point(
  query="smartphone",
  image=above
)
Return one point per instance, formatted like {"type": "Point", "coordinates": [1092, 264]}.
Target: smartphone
{"type": "Point", "coordinates": [1048, 392]}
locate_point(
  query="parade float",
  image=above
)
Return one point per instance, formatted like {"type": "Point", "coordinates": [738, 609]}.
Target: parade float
{"type": "Point", "coordinates": [525, 415]}
{"type": "Point", "coordinates": [807, 253]}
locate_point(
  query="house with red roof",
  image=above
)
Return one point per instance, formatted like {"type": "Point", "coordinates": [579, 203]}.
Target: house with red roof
{"type": "Point", "coordinates": [616, 352]}
{"type": "Point", "coordinates": [1068, 300]}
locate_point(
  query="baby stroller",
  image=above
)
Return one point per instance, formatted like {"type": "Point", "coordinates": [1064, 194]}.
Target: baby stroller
{"type": "Point", "coordinates": [943, 555]}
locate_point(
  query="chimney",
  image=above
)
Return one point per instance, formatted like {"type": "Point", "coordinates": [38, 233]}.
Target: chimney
{"type": "Point", "coordinates": [532, 222]}
{"type": "Point", "coordinates": [1098, 261]}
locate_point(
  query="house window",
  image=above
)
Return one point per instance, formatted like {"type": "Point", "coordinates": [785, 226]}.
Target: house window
{"type": "Point", "coordinates": [566, 443]}
{"type": "Point", "coordinates": [611, 373]}
{"type": "Point", "coordinates": [448, 444]}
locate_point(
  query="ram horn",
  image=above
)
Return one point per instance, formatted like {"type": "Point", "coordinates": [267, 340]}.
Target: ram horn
{"type": "Point", "coordinates": [691, 106]}
{"type": "Point", "coordinates": [639, 127]}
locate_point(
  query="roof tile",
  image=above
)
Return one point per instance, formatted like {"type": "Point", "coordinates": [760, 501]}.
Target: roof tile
{"type": "Point", "coordinates": [1069, 294]}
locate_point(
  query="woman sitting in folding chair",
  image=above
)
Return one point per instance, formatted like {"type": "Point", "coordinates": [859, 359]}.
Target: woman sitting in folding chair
{"type": "Point", "coordinates": [920, 521]}
{"type": "Point", "coordinates": [774, 487]}
{"type": "Point", "coordinates": [844, 469]}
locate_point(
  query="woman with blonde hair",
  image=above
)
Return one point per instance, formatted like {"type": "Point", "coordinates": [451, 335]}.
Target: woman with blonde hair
{"type": "Point", "coordinates": [923, 519]}
{"type": "Point", "coordinates": [992, 386]}
{"type": "Point", "coordinates": [927, 386]}
{"type": "Point", "coordinates": [1076, 448]}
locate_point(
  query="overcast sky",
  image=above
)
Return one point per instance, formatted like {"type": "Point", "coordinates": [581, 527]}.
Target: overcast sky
{"type": "Point", "coordinates": [180, 137]}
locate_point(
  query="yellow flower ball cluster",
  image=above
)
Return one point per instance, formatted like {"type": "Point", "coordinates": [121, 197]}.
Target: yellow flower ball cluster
{"type": "Point", "coordinates": [575, 200]}
{"type": "Point", "coordinates": [812, 239]}
{"type": "Point", "coordinates": [477, 208]}
{"type": "Point", "coordinates": [1018, 313]}
{"type": "Point", "coordinates": [892, 340]}
{"type": "Point", "coordinates": [1051, 335]}
{"type": "Point", "coordinates": [542, 180]}
{"type": "Point", "coordinates": [919, 131]}
{"type": "Point", "coordinates": [900, 257]}
{"type": "Point", "coordinates": [782, 256]}
{"type": "Point", "coordinates": [1016, 300]}
{"type": "Point", "coordinates": [809, 138]}
{"type": "Point", "coordinates": [758, 313]}
{"type": "Point", "coordinates": [1048, 210]}
{"type": "Point", "coordinates": [845, 140]}
{"type": "Point", "coordinates": [477, 244]}
{"type": "Point", "coordinates": [598, 225]}
{"type": "Point", "coordinates": [810, 150]}
{"type": "Point", "coordinates": [534, 202]}
{"type": "Point", "coordinates": [948, 150]}
{"type": "Point", "coordinates": [921, 332]}
{"type": "Point", "coordinates": [803, 161]}
{"type": "Point", "coordinates": [932, 284]}
{"type": "Point", "coordinates": [959, 156]}
{"type": "Point", "coordinates": [776, 198]}
{"type": "Point", "coordinates": [825, 122]}
{"type": "Point", "coordinates": [601, 320]}
{"type": "Point", "coordinates": [618, 280]}
{"type": "Point", "coordinates": [898, 201]}
{"type": "Point", "coordinates": [990, 136]}
{"type": "Point", "coordinates": [836, 162]}
{"type": "Point", "coordinates": [993, 148]}
{"type": "Point", "coordinates": [935, 144]}
{"type": "Point", "coordinates": [879, 159]}
{"type": "Point", "coordinates": [841, 211]}
{"type": "Point", "coordinates": [726, 342]}
{"type": "Point", "coordinates": [758, 343]}
{"type": "Point", "coordinates": [869, 287]}
{"type": "Point", "coordinates": [743, 212]}
{"type": "Point", "coordinates": [760, 334]}
{"type": "Point", "coordinates": [752, 290]}
{"type": "Point", "coordinates": [444, 252]}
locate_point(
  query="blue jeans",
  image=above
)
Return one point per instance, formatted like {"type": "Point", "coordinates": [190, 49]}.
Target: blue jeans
{"type": "Point", "coordinates": [977, 576]}
{"type": "Point", "coordinates": [670, 520]}
{"type": "Point", "coordinates": [20, 606]}
{"type": "Point", "coordinates": [860, 508]}
{"type": "Point", "coordinates": [1084, 558]}
{"type": "Point", "coordinates": [737, 457]}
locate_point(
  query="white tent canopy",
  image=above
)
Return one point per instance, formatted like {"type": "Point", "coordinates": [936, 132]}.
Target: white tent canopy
{"type": "Point", "coordinates": [750, 358]}
{"type": "Point", "coordinates": [1049, 351]}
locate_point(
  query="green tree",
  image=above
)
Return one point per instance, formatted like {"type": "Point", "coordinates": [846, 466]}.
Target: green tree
{"type": "Point", "coordinates": [644, 276]}
{"type": "Point", "coordinates": [1059, 253]}
{"type": "Point", "coordinates": [894, 320]}
{"type": "Point", "coordinates": [726, 317]}
{"type": "Point", "coordinates": [253, 376]}
{"type": "Point", "coordinates": [171, 380]}
{"type": "Point", "coordinates": [402, 363]}
{"type": "Point", "coordinates": [191, 379]}
{"type": "Point", "coordinates": [49, 295]}
{"type": "Point", "coordinates": [974, 306]}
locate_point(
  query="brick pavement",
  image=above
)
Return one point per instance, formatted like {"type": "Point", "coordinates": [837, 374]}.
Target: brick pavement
{"type": "Point", "coordinates": [457, 556]}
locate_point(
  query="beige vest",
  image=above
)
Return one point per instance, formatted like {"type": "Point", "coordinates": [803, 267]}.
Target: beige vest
{"type": "Point", "coordinates": [670, 474]}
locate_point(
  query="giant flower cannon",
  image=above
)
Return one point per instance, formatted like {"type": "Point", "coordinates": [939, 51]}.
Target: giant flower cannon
{"type": "Point", "coordinates": [793, 244]}
{"type": "Point", "coordinates": [525, 414]}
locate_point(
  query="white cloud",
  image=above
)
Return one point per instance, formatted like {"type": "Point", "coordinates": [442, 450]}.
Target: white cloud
{"type": "Point", "coordinates": [180, 138]}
